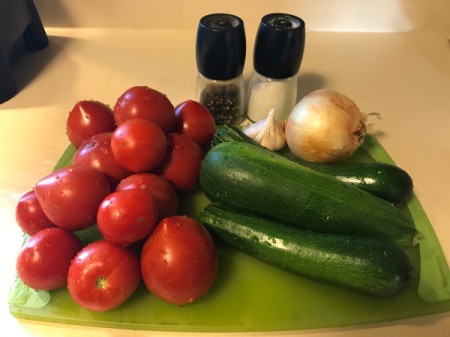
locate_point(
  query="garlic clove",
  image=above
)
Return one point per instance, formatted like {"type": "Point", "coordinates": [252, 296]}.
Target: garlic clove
{"type": "Point", "coordinates": [267, 132]}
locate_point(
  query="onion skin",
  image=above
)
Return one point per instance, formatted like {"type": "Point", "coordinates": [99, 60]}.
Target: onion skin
{"type": "Point", "coordinates": [325, 126]}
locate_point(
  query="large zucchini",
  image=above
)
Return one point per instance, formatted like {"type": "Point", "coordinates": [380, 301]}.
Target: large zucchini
{"type": "Point", "coordinates": [370, 265]}
{"type": "Point", "coordinates": [254, 179]}
{"type": "Point", "coordinates": [386, 181]}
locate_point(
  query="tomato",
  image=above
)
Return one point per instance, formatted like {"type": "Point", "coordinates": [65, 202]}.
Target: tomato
{"type": "Point", "coordinates": [181, 165]}
{"type": "Point", "coordinates": [71, 195]}
{"type": "Point", "coordinates": [103, 275]}
{"type": "Point", "coordinates": [29, 214]}
{"type": "Point", "coordinates": [147, 103]}
{"type": "Point", "coordinates": [126, 217]}
{"type": "Point", "coordinates": [88, 118]}
{"type": "Point", "coordinates": [96, 152]}
{"type": "Point", "coordinates": [179, 260]}
{"type": "Point", "coordinates": [138, 145]}
{"type": "Point", "coordinates": [43, 262]}
{"type": "Point", "coordinates": [195, 121]}
{"type": "Point", "coordinates": [160, 189]}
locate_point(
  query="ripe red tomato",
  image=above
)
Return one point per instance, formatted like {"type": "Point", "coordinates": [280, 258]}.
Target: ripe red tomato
{"type": "Point", "coordinates": [43, 262]}
{"type": "Point", "coordinates": [96, 152]}
{"type": "Point", "coordinates": [179, 260]}
{"type": "Point", "coordinates": [71, 195]}
{"type": "Point", "coordinates": [160, 189]}
{"type": "Point", "coordinates": [147, 103]}
{"type": "Point", "coordinates": [195, 121]}
{"type": "Point", "coordinates": [103, 275]}
{"type": "Point", "coordinates": [88, 118]}
{"type": "Point", "coordinates": [138, 145]}
{"type": "Point", "coordinates": [181, 165]}
{"type": "Point", "coordinates": [29, 214]}
{"type": "Point", "coordinates": [126, 217]}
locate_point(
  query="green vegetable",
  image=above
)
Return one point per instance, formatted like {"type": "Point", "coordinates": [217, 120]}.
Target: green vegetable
{"type": "Point", "coordinates": [231, 133]}
{"type": "Point", "coordinates": [386, 181]}
{"type": "Point", "coordinates": [66, 158]}
{"type": "Point", "coordinates": [254, 179]}
{"type": "Point", "coordinates": [370, 265]}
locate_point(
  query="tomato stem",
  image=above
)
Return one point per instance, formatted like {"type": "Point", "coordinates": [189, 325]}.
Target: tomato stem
{"type": "Point", "coordinates": [101, 282]}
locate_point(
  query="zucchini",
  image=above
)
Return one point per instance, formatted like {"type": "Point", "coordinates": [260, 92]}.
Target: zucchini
{"type": "Point", "coordinates": [231, 133]}
{"type": "Point", "coordinates": [257, 180]}
{"type": "Point", "coordinates": [369, 265]}
{"type": "Point", "coordinates": [385, 181]}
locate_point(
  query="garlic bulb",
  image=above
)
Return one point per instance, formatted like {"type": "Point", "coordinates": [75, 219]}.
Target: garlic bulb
{"type": "Point", "coordinates": [267, 132]}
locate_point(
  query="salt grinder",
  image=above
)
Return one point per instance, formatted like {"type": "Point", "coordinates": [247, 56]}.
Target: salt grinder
{"type": "Point", "coordinates": [278, 53]}
{"type": "Point", "coordinates": [220, 54]}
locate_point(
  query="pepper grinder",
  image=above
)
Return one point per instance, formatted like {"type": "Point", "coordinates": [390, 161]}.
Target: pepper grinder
{"type": "Point", "coordinates": [278, 53]}
{"type": "Point", "coordinates": [220, 54]}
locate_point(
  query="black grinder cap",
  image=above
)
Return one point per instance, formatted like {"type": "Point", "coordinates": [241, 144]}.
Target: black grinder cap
{"type": "Point", "coordinates": [279, 45]}
{"type": "Point", "coordinates": [220, 46]}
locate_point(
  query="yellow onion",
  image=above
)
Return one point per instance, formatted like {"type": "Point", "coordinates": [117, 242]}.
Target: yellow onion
{"type": "Point", "coordinates": [325, 126]}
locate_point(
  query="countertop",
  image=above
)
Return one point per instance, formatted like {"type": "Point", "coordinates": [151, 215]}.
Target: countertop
{"type": "Point", "coordinates": [390, 57]}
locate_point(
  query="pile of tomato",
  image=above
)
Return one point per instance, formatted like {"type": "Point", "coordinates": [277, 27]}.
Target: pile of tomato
{"type": "Point", "coordinates": [131, 165]}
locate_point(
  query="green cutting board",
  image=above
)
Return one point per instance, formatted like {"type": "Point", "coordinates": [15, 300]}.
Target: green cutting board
{"type": "Point", "coordinates": [250, 295]}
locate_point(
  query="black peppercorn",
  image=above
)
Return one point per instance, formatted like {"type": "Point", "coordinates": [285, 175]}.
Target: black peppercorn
{"type": "Point", "coordinates": [224, 102]}
{"type": "Point", "coordinates": [220, 54]}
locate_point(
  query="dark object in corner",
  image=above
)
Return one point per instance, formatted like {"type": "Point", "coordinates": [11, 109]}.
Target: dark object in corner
{"type": "Point", "coordinates": [21, 30]}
